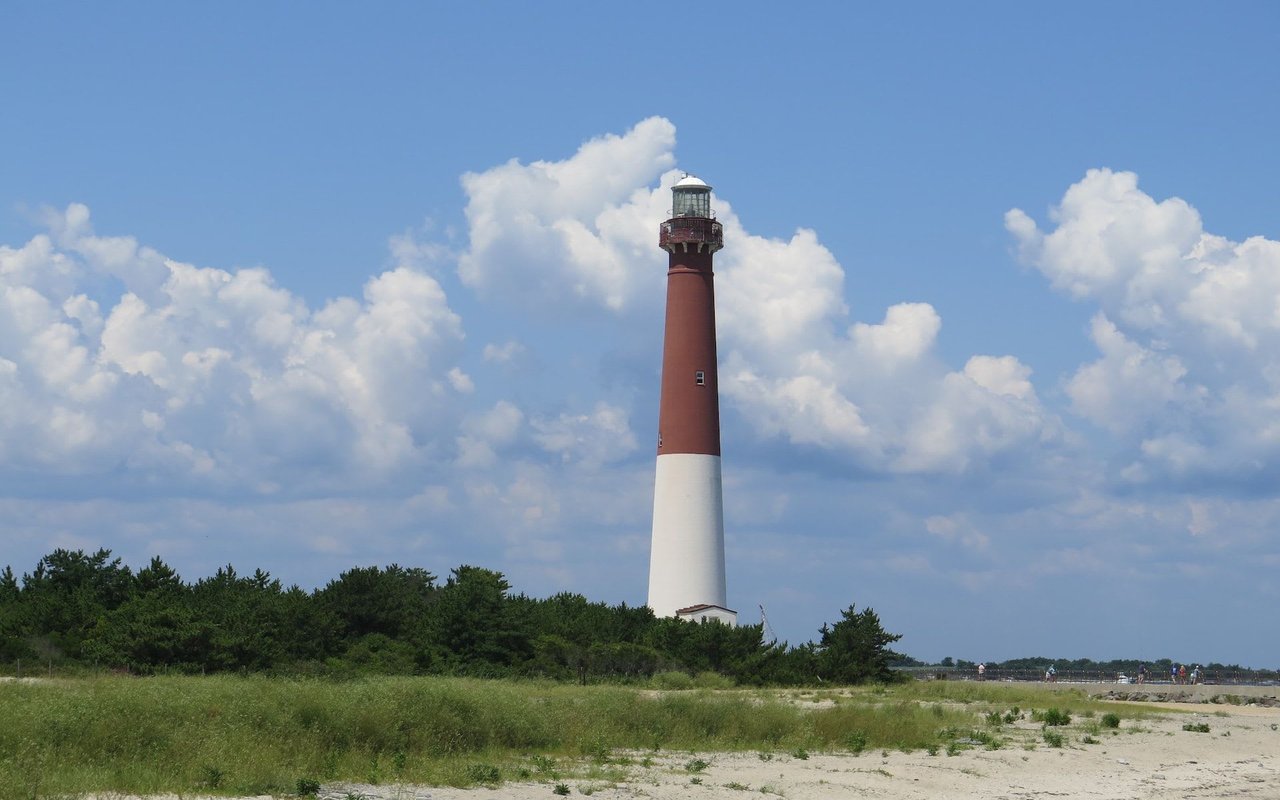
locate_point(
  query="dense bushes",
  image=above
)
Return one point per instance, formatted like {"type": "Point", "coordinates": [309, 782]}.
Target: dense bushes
{"type": "Point", "coordinates": [89, 609]}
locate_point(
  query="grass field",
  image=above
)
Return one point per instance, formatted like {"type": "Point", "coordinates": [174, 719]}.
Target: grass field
{"type": "Point", "coordinates": [260, 735]}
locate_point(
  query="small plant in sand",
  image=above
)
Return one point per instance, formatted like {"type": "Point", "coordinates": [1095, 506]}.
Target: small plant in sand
{"type": "Point", "coordinates": [735, 785]}
{"type": "Point", "coordinates": [1110, 720]}
{"type": "Point", "coordinates": [544, 764]}
{"type": "Point", "coordinates": [561, 789]}
{"type": "Point", "coordinates": [306, 787]}
{"type": "Point", "coordinates": [1053, 717]}
{"type": "Point", "coordinates": [1196, 727]}
{"type": "Point", "coordinates": [1054, 739]}
{"type": "Point", "coordinates": [800, 753]}
{"type": "Point", "coordinates": [697, 765]}
{"type": "Point", "coordinates": [486, 774]}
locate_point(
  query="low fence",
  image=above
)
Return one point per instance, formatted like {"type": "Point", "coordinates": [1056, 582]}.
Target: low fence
{"type": "Point", "coordinates": [1208, 676]}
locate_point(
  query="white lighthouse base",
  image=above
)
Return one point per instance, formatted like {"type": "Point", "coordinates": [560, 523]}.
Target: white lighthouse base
{"type": "Point", "coordinates": [686, 562]}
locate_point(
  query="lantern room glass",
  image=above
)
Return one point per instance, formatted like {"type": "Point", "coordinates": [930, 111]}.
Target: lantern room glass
{"type": "Point", "coordinates": [691, 203]}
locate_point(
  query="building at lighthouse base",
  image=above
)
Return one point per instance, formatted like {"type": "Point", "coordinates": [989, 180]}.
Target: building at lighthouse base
{"type": "Point", "coordinates": [686, 563]}
{"type": "Point", "coordinates": [704, 612]}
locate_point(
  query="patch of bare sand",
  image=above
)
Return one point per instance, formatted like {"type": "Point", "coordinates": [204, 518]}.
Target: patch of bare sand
{"type": "Point", "coordinates": [1154, 759]}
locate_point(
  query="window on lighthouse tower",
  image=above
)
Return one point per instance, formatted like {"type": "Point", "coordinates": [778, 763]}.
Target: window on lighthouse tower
{"type": "Point", "coordinates": [700, 378]}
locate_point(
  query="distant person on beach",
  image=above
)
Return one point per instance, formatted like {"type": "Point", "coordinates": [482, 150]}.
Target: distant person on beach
{"type": "Point", "coordinates": [1142, 673]}
{"type": "Point", "coordinates": [1173, 673]}
{"type": "Point", "coordinates": [1182, 673]}
{"type": "Point", "coordinates": [1195, 675]}
{"type": "Point", "coordinates": [1051, 674]}
{"type": "Point", "coordinates": [982, 671]}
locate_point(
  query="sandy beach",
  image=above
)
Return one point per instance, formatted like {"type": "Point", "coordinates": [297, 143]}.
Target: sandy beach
{"type": "Point", "coordinates": [1239, 757]}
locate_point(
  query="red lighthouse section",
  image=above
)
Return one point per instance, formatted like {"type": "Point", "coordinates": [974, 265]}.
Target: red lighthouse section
{"type": "Point", "coordinates": [689, 411]}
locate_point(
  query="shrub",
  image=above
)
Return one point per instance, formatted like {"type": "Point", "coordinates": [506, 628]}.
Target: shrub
{"type": "Point", "coordinates": [712, 680]}
{"type": "Point", "coordinates": [672, 680]}
{"type": "Point", "coordinates": [1053, 739]}
{"type": "Point", "coordinates": [697, 765]}
{"type": "Point", "coordinates": [856, 742]}
{"type": "Point", "coordinates": [1194, 727]}
{"type": "Point", "coordinates": [484, 773]}
{"type": "Point", "coordinates": [561, 789]}
{"type": "Point", "coordinates": [307, 787]}
{"type": "Point", "coordinates": [1054, 717]}
{"type": "Point", "coordinates": [1110, 720]}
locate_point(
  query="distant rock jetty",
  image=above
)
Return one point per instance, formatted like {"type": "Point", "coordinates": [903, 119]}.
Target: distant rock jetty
{"type": "Point", "coordinates": [1265, 696]}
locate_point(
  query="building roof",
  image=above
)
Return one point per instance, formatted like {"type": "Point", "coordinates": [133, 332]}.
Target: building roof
{"type": "Point", "coordinates": [702, 607]}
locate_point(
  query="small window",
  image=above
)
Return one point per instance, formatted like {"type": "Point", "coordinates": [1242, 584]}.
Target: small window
{"type": "Point", "coordinates": [700, 378]}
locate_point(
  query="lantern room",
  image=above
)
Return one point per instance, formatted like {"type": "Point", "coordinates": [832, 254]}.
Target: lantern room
{"type": "Point", "coordinates": [691, 198]}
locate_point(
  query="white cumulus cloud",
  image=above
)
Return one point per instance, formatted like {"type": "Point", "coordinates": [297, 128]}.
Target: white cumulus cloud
{"type": "Point", "coordinates": [1188, 328]}
{"type": "Point", "coordinates": [222, 376]}
{"type": "Point", "coordinates": [571, 230]}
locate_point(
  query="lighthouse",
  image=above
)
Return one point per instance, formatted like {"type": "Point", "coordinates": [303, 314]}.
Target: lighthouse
{"type": "Point", "coordinates": [686, 557]}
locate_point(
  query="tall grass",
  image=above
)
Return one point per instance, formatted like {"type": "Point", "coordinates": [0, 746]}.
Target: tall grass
{"type": "Point", "coordinates": [260, 735]}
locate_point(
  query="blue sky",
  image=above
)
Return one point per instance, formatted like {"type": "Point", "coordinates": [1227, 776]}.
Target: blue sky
{"type": "Point", "coordinates": [305, 286]}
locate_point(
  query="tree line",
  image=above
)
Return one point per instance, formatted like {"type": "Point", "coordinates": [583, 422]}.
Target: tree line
{"type": "Point", "coordinates": [1156, 667]}
{"type": "Point", "coordinates": [79, 609]}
